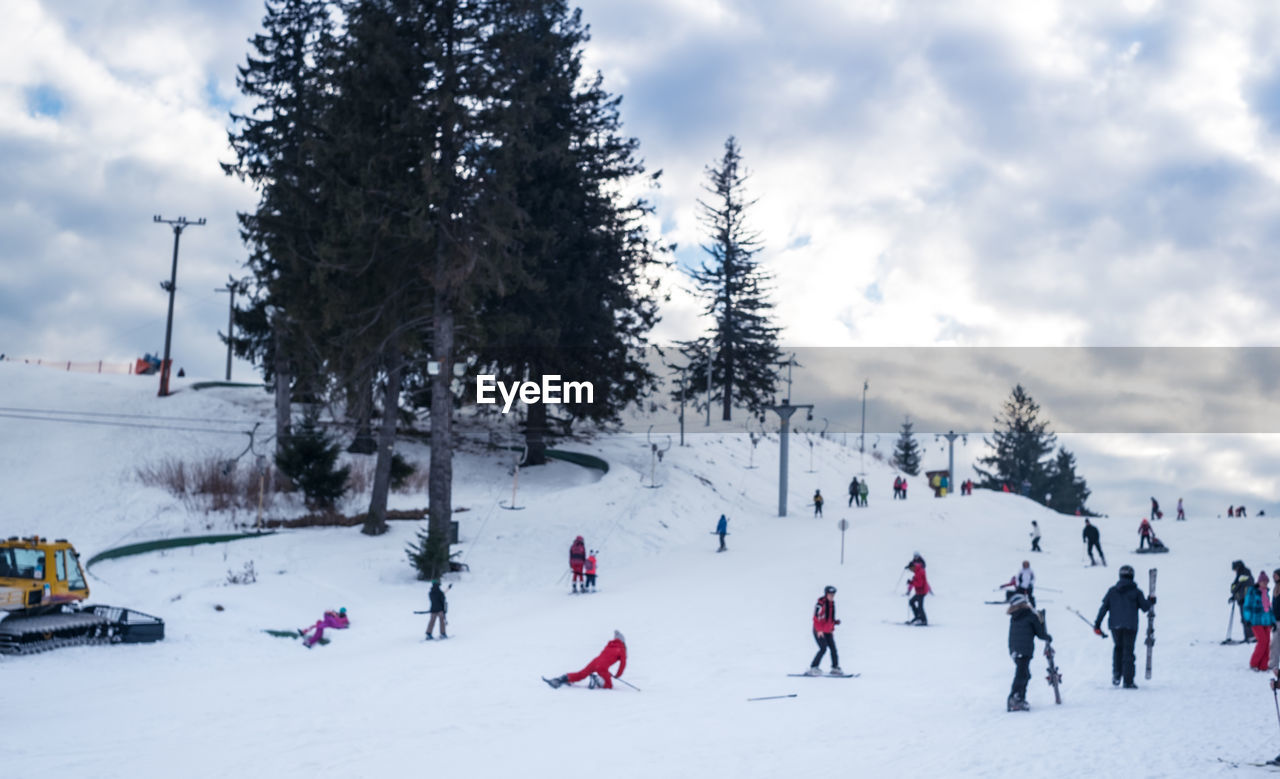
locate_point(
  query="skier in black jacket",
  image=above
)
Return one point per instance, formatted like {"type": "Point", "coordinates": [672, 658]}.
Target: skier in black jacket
{"type": "Point", "coordinates": [1240, 583]}
{"type": "Point", "coordinates": [1090, 536]}
{"type": "Point", "coordinates": [438, 609]}
{"type": "Point", "coordinates": [1123, 601]}
{"type": "Point", "coordinates": [1024, 626]}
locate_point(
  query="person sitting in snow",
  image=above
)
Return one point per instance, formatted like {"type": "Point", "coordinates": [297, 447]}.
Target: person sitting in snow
{"type": "Point", "coordinates": [331, 619]}
{"type": "Point", "coordinates": [598, 669]}
{"type": "Point", "coordinates": [817, 503]}
{"type": "Point", "coordinates": [577, 560]}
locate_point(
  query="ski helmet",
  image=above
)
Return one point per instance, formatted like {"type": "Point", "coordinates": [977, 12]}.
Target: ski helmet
{"type": "Point", "coordinates": [617, 634]}
{"type": "Point", "coordinates": [830, 590]}
{"type": "Point", "coordinates": [342, 611]}
{"type": "Point", "coordinates": [1018, 600]}
{"type": "Point", "coordinates": [1126, 572]}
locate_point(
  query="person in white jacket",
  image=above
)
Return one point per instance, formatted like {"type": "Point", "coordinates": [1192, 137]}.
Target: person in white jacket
{"type": "Point", "coordinates": [1023, 582]}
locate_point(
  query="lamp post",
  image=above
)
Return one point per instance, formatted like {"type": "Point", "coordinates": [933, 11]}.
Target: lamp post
{"type": "Point", "coordinates": [951, 437]}
{"type": "Point", "coordinates": [178, 225]}
{"type": "Point", "coordinates": [862, 437]}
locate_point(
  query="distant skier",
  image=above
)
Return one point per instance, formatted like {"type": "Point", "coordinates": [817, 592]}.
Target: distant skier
{"type": "Point", "coordinates": [853, 491]}
{"type": "Point", "coordinates": [1024, 626]}
{"type": "Point", "coordinates": [817, 503]}
{"type": "Point", "coordinates": [919, 584]}
{"type": "Point", "coordinates": [598, 669]}
{"type": "Point", "coordinates": [1182, 515]}
{"type": "Point", "coordinates": [1091, 537]}
{"type": "Point", "coordinates": [824, 632]}
{"type": "Point", "coordinates": [1240, 512]}
{"type": "Point", "coordinates": [1123, 601]}
{"type": "Point", "coordinates": [1155, 510]}
{"type": "Point", "coordinates": [1035, 536]}
{"type": "Point", "coordinates": [589, 570]}
{"type": "Point", "coordinates": [722, 530]}
{"type": "Point", "coordinates": [577, 560]}
{"type": "Point", "coordinates": [1026, 488]}
{"type": "Point", "coordinates": [1024, 582]}
{"type": "Point", "coordinates": [1257, 609]}
{"type": "Point", "coordinates": [897, 487]}
{"type": "Point", "coordinates": [439, 607]}
{"type": "Point", "coordinates": [902, 488]}
{"type": "Point", "coordinates": [1231, 511]}
{"type": "Point", "coordinates": [1241, 581]}
{"type": "Point", "coordinates": [863, 491]}
{"type": "Point", "coordinates": [336, 620]}
{"type": "Point", "coordinates": [1144, 534]}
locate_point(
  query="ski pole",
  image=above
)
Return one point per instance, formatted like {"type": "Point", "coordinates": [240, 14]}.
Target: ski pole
{"type": "Point", "coordinates": [1086, 621]}
{"type": "Point", "coordinates": [772, 697]}
{"type": "Point", "coordinates": [629, 684]}
{"type": "Point", "coordinates": [1231, 620]}
{"type": "Point", "coordinates": [899, 583]}
{"type": "Point", "coordinates": [1276, 699]}
{"type": "Point", "coordinates": [1047, 589]}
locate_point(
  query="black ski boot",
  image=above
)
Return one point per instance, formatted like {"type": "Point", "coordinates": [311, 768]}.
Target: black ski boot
{"type": "Point", "coordinates": [556, 682]}
{"type": "Point", "coordinates": [1115, 680]}
{"type": "Point", "coordinates": [1016, 703]}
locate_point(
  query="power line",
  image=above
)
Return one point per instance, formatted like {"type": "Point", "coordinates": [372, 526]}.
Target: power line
{"type": "Point", "coordinates": [126, 416]}
{"type": "Point", "coordinates": [131, 425]}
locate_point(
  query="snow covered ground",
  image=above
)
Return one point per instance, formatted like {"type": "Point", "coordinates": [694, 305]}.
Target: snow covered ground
{"type": "Point", "coordinates": [705, 631]}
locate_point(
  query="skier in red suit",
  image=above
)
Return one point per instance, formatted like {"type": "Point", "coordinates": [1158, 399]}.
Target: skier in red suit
{"type": "Point", "coordinates": [614, 652]}
{"type": "Point", "coordinates": [577, 560]}
{"type": "Point", "coordinates": [920, 585]}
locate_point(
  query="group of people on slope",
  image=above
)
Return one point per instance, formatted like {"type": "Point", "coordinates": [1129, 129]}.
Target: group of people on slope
{"type": "Point", "coordinates": [583, 565]}
{"type": "Point", "coordinates": [1239, 511]}
{"type": "Point", "coordinates": [1257, 614]}
{"type": "Point", "coordinates": [899, 488]}
{"type": "Point", "coordinates": [825, 621]}
{"type": "Point", "coordinates": [1157, 514]}
{"type": "Point", "coordinates": [1147, 537]}
{"type": "Point", "coordinates": [858, 491]}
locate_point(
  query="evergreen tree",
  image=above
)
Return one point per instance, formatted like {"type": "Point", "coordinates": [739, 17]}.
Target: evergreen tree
{"type": "Point", "coordinates": [1067, 492]}
{"type": "Point", "coordinates": [906, 455]}
{"type": "Point", "coordinates": [582, 303]}
{"type": "Point", "coordinates": [1022, 445]}
{"type": "Point", "coordinates": [310, 459]}
{"type": "Point", "coordinates": [744, 341]}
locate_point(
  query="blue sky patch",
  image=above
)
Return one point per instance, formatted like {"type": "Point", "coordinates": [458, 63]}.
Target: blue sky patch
{"type": "Point", "coordinates": [44, 100]}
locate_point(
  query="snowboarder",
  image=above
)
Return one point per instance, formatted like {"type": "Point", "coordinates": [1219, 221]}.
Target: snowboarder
{"type": "Point", "coordinates": [817, 503]}
{"type": "Point", "coordinates": [1240, 584]}
{"type": "Point", "coordinates": [853, 491]}
{"type": "Point", "coordinates": [1155, 510]}
{"type": "Point", "coordinates": [1123, 601]}
{"type": "Point", "coordinates": [920, 585]}
{"type": "Point", "coordinates": [577, 559]}
{"type": "Point", "coordinates": [1257, 609]}
{"type": "Point", "coordinates": [824, 632]}
{"type": "Point", "coordinates": [1091, 537]}
{"type": "Point", "coordinates": [1024, 626]}
{"type": "Point", "coordinates": [863, 490]}
{"type": "Point", "coordinates": [589, 569]}
{"type": "Point", "coordinates": [438, 609]}
{"type": "Point", "coordinates": [331, 619]}
{"type": "Point", "coordinates": [1182, 515]}
{"type": "Point", "coordinates": [1024, 582]}
{"type": "Point", "coordinates": [722, 530]}
{"type": "Point", "coordinates": [1035, 536]}
{"type": "Point", "coordinates": [1144, 534]}
{"type": "Point", "coordinates": [598, 669]}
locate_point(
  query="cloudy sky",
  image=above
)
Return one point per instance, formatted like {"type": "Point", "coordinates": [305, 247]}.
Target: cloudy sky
{"type": "Point", "coordinates": [982, 174]}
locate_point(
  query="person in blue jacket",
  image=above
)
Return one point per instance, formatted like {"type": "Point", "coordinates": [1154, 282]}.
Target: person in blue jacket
{"type": "Point", "coordinates": [722, 530]}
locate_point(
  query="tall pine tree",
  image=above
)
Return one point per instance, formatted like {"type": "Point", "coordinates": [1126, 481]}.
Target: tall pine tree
{"type": "Point", "coordinates": [1067, 492]}
{"type": "Point", "coordinates": [906, 454]}
{"type": "Point", "coordinates": [584, 302]}
{"type": "Point", "coordinates": [1021, 445]}
{"type": "Point", "coordinates": [742, 340]}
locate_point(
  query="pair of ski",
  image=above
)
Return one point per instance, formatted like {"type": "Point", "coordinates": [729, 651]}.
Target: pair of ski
{"type": "Point", "coordinates": [1151, 621]}
{"type": "Point", "coordinates": [829, 676]}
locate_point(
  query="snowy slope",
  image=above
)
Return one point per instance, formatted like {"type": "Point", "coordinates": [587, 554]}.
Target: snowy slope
{"type": "Point", "coordinates": [705, 631]}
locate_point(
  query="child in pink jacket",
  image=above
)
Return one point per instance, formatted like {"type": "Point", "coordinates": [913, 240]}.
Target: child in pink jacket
{"type": "Point", "coordinates": [332, 619]}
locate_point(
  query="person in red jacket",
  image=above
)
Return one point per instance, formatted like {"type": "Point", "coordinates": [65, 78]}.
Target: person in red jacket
{"type": "Point", "coordinates": [577, 561]}
{"type": "Point", "coordinates": [598, 669]}
{"type": "Point", "coordinates": [920, 585]}
{"type": "Point", "coordinates": [1144, 534]}
{"type": "Point", "coordinates": [590, 570]}
{"type": "Point", "coordinates": [824, 632]}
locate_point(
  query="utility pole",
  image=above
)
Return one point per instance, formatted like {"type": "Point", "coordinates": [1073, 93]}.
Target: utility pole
{"type": "Point", "coordinates": [863, 436]}
{"type": "Point", "coordinates": [232, 287]}
{"type": "Point", "coordinates": [178, 225]}
{"type": "Point", "coordinates": [951, 437]}
{"type": "Point", "coordinates": [784, 412]}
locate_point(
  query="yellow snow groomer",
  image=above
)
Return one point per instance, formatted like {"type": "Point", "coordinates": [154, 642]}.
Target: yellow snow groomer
{"type": "Point", "coordinates": [41, 588]}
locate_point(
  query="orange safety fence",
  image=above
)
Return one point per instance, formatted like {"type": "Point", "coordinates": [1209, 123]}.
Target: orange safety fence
{"type": "Point", "coordinates": [100, 366]}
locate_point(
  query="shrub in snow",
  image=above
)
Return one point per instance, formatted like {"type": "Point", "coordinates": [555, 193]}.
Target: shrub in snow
{"type": "Point", "coordinates": [309, 458]}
